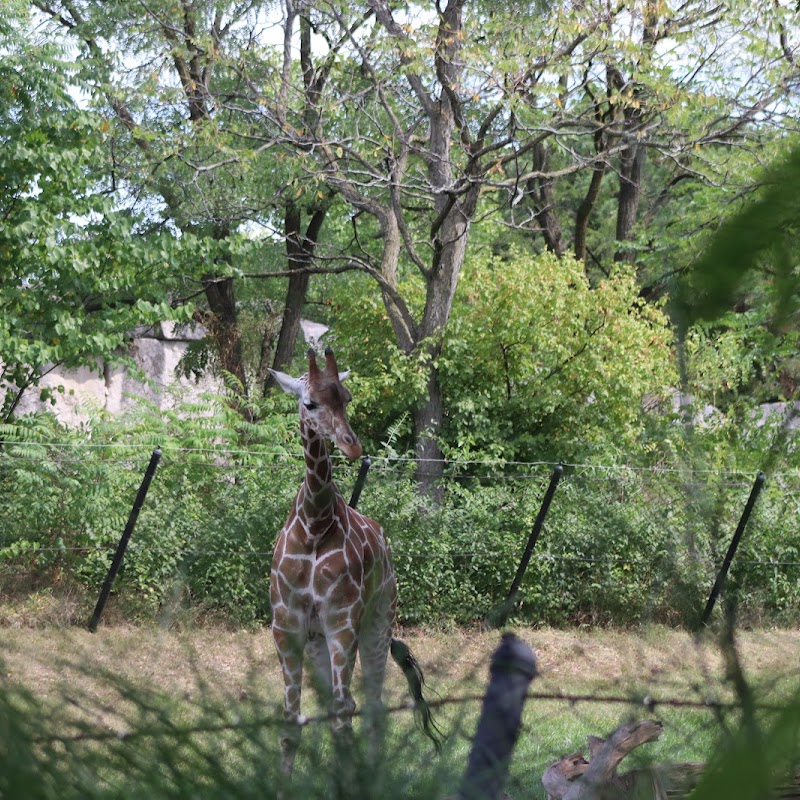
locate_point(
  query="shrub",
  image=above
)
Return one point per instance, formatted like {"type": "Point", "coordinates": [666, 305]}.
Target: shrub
{"type": "Point", "coordinates": [620, 544]}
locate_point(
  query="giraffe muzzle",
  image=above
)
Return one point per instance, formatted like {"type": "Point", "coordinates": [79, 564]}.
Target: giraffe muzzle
{"type": "Point", "coordinates": [348, 443]}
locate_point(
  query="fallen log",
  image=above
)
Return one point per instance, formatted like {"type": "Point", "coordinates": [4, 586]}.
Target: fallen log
{"type": "Point", "coordinates": [574, 778]}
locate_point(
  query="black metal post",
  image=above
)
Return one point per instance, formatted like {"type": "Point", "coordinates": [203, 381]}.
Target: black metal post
{"type": "Point", "coordinates": [360, 480]}
{"type": "Point", "coordinates": [720, 582]}
{"type": "Point", "coordinates": [512, 669]}
{"type": "Point", "coordinates": [123, 542]}
{"type": "Point", "coordinates": [498, 616]}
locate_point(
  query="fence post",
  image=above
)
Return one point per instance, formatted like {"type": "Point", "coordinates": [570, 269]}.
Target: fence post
{"type": "Point", "coordinates": [723, 572]}
{"type": "Point", "coordinates": [360, 480]}
{"type": "Point", "coordinates": [123, 542]}
{"type": "Point", "coordinates": [512, 669]}
{"type": "Point", "coordinates": [498, 616]}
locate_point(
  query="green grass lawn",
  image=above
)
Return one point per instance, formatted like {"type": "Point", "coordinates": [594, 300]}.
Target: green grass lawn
{"type": "Point", "coordinates": [151, 712]}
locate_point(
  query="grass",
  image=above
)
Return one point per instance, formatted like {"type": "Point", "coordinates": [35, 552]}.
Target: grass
{"type": "Point", "coordinates": [125, 680]}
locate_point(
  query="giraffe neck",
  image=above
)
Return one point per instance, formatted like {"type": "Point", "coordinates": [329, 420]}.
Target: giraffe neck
{"type": "Point", "coordinates": [318, 494]}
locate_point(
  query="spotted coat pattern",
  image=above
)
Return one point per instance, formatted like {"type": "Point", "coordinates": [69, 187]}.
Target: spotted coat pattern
{"type": "Point", "coordinates": [332, 585]}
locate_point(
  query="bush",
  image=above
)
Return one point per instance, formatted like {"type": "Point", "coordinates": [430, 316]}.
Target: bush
{"type": "Point", "coordinates": [531, 369]}
{"type": "Point", "coordinates": [205, 532]}
{"type": "Point", "coordinates": [620, 545]}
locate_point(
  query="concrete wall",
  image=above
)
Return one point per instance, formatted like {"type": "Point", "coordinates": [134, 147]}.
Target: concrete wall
{"type": "Point", "coordinates": [156, 351]}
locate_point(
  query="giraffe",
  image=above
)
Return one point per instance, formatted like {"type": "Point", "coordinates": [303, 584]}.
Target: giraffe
{"type": "Point", "coordinates": [332, 584]}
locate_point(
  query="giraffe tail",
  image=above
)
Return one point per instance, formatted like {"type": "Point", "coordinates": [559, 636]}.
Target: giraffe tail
{"type": "Point", "coordinates": [404, 658]}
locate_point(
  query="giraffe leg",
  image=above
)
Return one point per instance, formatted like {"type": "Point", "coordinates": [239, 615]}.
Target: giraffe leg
{"type": "Point", "coordinates": [342, 647]}
{"type": "Point", "coordinates": [320, 659]}
{"type": "Point", "coordinates": [373, 650]}
{"type": "Point", "coordinates": [290, 654]}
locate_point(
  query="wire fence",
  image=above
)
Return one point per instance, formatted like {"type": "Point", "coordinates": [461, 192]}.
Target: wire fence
{"type": "Point", "coordinates": [647, 705]}
{"type": "Point", "coordinates": [621, 543]}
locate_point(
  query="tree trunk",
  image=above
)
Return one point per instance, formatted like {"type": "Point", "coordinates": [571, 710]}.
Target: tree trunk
{"type": "Point", "coordinates": [449, 232]}
{"type": "Point", "coordinates": [452, 212]}
{"type": "Point", "coordinates": [634, 156]}
{"type": "Point", "coordinates": [223, 325]}
{"type": "Point", "coordinates": [585, 210]}
{"type": "Point", "coordinates": [630, 190]}
{"type": "Point", "coordinates": [544, 203]}
{"type": "Point", "coordinates": [590, 198]}
{"type": "Point", "coordinates": [290, 324]}
{"type": "Point", "coordinates": [299, 254]}
{"type": "Point", "coordinates": [428, 416]}
{"type": "Point", "coordinates": [442, 282]}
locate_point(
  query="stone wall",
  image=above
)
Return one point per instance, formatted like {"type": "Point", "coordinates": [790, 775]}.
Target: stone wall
{"type": "Point", "coordinates": [155, 351]}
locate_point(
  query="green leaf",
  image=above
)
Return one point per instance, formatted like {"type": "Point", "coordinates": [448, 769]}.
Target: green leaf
{"type": "Point", "coordinates": [767, 227]}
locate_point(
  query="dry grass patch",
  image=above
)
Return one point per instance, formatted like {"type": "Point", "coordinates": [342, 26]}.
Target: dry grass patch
{"type": "Point", "coordinates": [656, 660]}
{"type": "Point", "coordinates": [126, 676]}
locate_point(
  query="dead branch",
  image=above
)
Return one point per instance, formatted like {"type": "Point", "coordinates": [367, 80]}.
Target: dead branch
{"type": "Point", "coordinates": [574, 778]}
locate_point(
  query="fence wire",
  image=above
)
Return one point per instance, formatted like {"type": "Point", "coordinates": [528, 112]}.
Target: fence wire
{"type": "Point", "coordinates": [646, 705]}
{"type": "Point", "coordinates": [621, 544]}
{"type": "Point", "coordinates": [101, 708]}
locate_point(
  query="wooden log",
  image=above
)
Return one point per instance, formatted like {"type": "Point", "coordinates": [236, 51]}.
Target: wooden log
{"type": "Point", "coordinates": [670, 781]}
{"type": "Point", "coordinates": [573, 778]}
{"type": "Point", "coordinates": [558, 776]}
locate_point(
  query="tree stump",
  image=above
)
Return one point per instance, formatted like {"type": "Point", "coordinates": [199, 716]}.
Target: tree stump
{"type": "Point", "coordinates": [574, 778]}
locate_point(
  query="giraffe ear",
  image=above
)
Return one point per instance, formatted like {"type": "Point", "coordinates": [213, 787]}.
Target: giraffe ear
{"type": "Point", "coordinates": [289, 384]}
{"type": "Point", "coordinates": [343, 376]}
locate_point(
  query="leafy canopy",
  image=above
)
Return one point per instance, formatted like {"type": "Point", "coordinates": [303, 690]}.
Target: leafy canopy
{"type": "Point", "coordinates": [536, 363]}
{"type": "Point", "coordinates": [77, 274]}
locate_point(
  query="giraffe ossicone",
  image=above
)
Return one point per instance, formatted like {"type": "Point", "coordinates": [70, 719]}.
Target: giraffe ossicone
{"type": "Point", "coordinates": [332, 585]}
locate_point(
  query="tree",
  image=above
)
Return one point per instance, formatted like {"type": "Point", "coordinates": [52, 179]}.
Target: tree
{"type": "Point", "coordinates": [425, 123]}
{"type": "Point", "coordinates": [156, 69]}
{"type": "Point", "coordinates": [77, 274]}
{"type": "Point", "coordinates": [659, 101]}
{"type": "Point", "coordinates": [184, 141]}
{"type": "Point", "coordinates": [410, 171]}
{"type": "Point", "coordinates": [378, 139]}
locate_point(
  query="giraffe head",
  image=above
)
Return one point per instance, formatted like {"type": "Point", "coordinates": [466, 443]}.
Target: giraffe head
{"type": "Point", "coordinates": [323, 401]}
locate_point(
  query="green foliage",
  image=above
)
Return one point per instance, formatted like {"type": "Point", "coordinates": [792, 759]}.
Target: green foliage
{"type": "Point", "coordinates": [385, 382]}
{"type": "Point", "coordinates": [736, 307]}
{"type": "Point", "coordinates": [758, 760]}
{"type": "Point", "coordinates": [537, 364]}
{"type": "Point", "coordinates": [762, 235]}
{"type": "Point", "coordinates": [740, 360]}
{"type": "Point", "coordinates": [619, 546]}
{"type": "Point", "coordinates": [64, 234]}
{"type": "Point", "coordinates": [204, 537]}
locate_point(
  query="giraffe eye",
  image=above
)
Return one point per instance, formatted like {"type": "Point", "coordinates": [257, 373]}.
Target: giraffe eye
{"type": "Point", "coordinates": [311, 406]}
